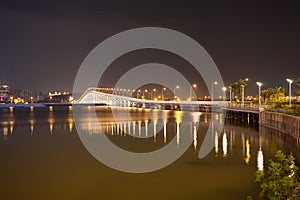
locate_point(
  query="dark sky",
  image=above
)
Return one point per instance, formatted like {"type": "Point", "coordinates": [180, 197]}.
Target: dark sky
{"type": "Point", "coordinates": [43, 43]}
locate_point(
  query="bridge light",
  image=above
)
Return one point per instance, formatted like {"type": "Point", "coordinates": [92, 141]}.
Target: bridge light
{"type": "Point", "coordinates": [290, 90]}
{"type": "Point", "coordinates": [259, 91]}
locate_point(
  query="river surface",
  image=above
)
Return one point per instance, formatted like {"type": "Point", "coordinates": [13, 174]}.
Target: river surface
{"type": "Point", "coordinates": [42, 156]}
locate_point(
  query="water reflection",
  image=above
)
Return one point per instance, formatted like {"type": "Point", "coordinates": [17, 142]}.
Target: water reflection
{"type": "Point", "coordinates": [31, 122]}
{"type": "Point", "coordinates": [216, 143]}
{"type": "Point", "coordinates": [248, 154]}
{"type": "Point", "coordinates": [260, 160]}
{"type": "Point", "coordinates": [5, 133]}
{"type": "Point", "coordinates": [26, 144]}
{"type": "Point", "coordinates": [163, 127]}
{"type": "Point", "coordinates": [11, 124]}
{"type": "Point", "coordinates": [224, 144]}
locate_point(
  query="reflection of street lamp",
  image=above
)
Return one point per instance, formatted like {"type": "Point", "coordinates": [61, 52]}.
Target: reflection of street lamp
{"type": "Point", "coordinates": [162, 93]}
{"type": "Point", "coordinates": [260, 157]}
{"type": "Point", "coordinates": [259, 88]}
{"type": "Point", "coordinates": [191, 88]}
{"type": "Point", "coordinates": [177, 87]}
{"type": "Point", "coordinates": [224, 93]}
{"type": "Point", "coordinates": [212, 90]}
{"type": "Point", "coordinates": [290, 90]}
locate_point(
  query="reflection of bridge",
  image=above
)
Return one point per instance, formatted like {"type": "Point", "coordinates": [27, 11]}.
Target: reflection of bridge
{"type": "Point", "coordinates": [96, 96]}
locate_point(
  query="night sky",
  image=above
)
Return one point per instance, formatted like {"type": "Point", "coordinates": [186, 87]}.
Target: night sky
{"type": "Point", "coordinates": [43, 43]}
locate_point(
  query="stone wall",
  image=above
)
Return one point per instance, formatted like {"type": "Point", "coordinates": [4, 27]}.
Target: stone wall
{"type": "Point", "coordinates": [282, 122]}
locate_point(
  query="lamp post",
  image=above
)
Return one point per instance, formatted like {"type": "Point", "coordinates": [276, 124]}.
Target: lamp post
{"type": "Point", "coordinates": [224, 93]}
{"type": "Point", "coordinates": [191, 88]}
{"type": "Point", "coordinates": [230, 94]}
{"type": "Point", "coordinates": [128, 92]}
{"type": "Point", "coordinates": [212, 90]}
{"type": "Point", "coordinates": [259, 91]}
{"type": "Point", "coordinates": [152, 94]}
{"type": "Point", "coordinates": [290, 90]}
{"type": "Point", "coordinates": [177, 87]}
{"type": "Point", "coordinates": [243, 94]}
{"type": "Point", "coordinates": [144, 93]}
{"type": "Point", "coordinates": [243, 91]}
{"type": "Point", "coordinates": [162, 93]}
{"type": "Point", "coordinates": [137, 93]}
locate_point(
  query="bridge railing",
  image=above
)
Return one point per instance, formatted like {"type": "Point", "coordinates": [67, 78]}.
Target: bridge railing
{"type": "Point", "coordinates": [228, 105]}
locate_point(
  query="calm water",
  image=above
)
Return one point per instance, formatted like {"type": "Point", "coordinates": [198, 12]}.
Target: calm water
{"type": "Point", "coordinates": [42, 157]}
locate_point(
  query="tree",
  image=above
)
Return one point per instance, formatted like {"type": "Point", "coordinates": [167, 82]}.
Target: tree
{"type": "Point", "coordinates": [236, 87]}
{"type": "Point", "coordinates": [278, 94]}
{"type": "Point", "coordinates": [273, 94]}
{"type": "Point", "coordinates": [281, 180]}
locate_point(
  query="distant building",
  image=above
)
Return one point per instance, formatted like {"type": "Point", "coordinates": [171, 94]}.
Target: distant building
{"type": "Point", "coordinates": [59, 97]}
{"type": "Point", "coordinates": [4, 92]}
{"type": "Point", "coordinates": [28, 95]}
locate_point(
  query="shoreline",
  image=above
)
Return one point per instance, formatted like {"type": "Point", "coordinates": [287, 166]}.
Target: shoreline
{"type": "Point", "coordinates": [288, 124]}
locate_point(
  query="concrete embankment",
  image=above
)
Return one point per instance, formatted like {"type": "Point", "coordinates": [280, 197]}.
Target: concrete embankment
{"type": "Point", "coordinates": [282, 122]}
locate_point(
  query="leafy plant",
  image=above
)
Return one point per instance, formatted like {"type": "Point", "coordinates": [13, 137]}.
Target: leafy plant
{"type": "Point", "coordinates": [281, 180]}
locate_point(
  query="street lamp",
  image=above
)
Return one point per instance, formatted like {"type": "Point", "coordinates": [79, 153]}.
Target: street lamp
{"type": "Point", "coordinates": [243, 94]}
{"type": "Point", "coordinates": [152, 94]}
{"type": "Point", "coordinates": [191, 88]}
{"type": "Point", "coordinates": [128, 92]}
{"type": "Point", "coordinates": [259, 91]}
{"type": "Point", "coordinates": [230, 94]}
{"type": "Point", "coordinates": [144, 93]}
{"type": "Point", "coordinates": [138, 93]}
{"type": "Point", "coordinates": [162, 93]}
{"type": "Point", "coordinates": [290, 90]}
{"type": "Point", "coordinates": [212, 90]}
{"type": "Point", "coordinates": [177, 87]}
{"type": "Point", "coordinates": [224, 93]}
{"type": "Point", "coordinates": [243, 91]}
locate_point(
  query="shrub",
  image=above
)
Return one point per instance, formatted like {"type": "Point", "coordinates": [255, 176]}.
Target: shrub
{"type": "Point", "coordinates": [281, 180]}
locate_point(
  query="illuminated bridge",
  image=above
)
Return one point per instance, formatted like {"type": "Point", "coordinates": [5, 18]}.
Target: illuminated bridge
{"type": "Point", "coordinates": [95, 95]}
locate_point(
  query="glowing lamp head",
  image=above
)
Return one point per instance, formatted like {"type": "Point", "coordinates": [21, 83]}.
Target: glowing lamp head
{"type": "Point", "coordinates": [289, 80]}
{"type": "Point", "coordinates": [259, 84]}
